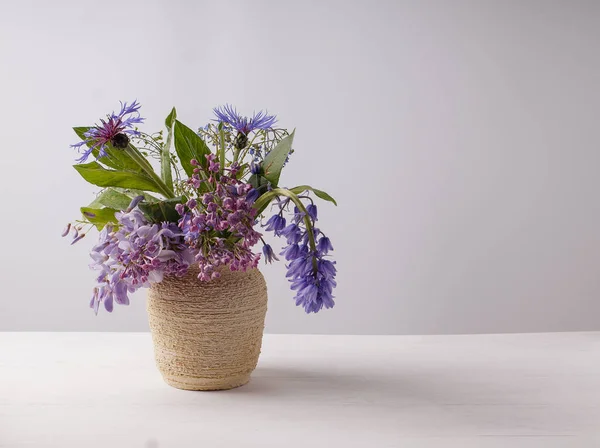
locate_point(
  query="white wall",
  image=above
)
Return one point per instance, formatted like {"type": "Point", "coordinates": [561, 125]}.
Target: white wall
{"type": "Point", "coordinates": [460, 139]}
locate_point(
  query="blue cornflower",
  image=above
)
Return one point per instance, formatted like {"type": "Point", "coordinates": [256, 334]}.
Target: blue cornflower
{"type": "Point", "coordinates": [115, 130]}
{"type": "Point", "coordinates": [229, 115]}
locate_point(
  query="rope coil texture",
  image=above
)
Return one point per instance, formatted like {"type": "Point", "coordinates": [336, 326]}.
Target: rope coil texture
{"type": "Point", "coordinates": [207, 335]}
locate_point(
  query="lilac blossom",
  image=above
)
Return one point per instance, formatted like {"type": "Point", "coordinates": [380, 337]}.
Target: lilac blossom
{"type": "Point", "coordinates": [218, 224]}
{"type": "Point", "coordinates": [115, 130]}
{"type": "Point", "coordinates": [134, 255]}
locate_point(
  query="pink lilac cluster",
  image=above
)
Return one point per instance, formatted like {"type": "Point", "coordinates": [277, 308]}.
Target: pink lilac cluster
{"type": "Point", "coordinates": [218, 225]}
{"type": "Point", "coordinates": [135, 254]}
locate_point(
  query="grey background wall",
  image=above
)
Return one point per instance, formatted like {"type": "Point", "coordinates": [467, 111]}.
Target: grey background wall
{"type": "Point", "coordinates": [460, 139]}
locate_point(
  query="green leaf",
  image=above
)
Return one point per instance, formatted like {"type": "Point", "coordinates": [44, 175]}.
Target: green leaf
{"type": "Point", "coordinates": [267, 197]}
{"type": "Point", "coordinates": [116, 158]}
{"type": "Point", "coordinates": [188, 146]}
{"type": "Point", "coordinates": [161, 211]}
{"type": "Point", "coordinates": [132, 193]}
{"type": "Point", "coordinates": [130, 160]}
{"type": "Point", "coordinates": [274, 161]}
{"type": "Point", "coordinates": [112, 198]}
{"type": "Point", "coordinates": [242, 172]}
{"type": "Point", "coordinates": [170, 120]}
{"type": "Point", "coordinates": [319, 193]}
{"type": "Point", "coordinates": [80, 130]}
{"type": "Point", "coordinates": [99, 216]}
{"type": "Point", "coordinates": [258, 181]}
{"type": "Point", "coordinates": [165, 154]}
{"type": "Point", "coordinates": [96, 174]}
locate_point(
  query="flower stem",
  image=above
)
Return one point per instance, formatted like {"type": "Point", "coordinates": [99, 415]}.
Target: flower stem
{"type": "Point", "coordinates": [133, 152]}
{"type": "Point", "coordinates": [165, 159]}
{"type": "Point", "coordinates": [248, 146]}
{"type": "Point", "coordinates": [268, 197]}
{"type": "Point", "coordinates": [222, 152]}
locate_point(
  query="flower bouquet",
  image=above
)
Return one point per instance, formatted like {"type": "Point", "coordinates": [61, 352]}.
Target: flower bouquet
{"type": "Point", "coordinates": [189, 231]}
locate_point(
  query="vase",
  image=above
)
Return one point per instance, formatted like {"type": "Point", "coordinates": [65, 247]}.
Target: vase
{"type": "Point", "coordinates": [208, 335]}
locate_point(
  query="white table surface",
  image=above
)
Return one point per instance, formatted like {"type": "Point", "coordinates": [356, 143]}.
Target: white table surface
{"type": "Point", "coordinates": [90, 390]}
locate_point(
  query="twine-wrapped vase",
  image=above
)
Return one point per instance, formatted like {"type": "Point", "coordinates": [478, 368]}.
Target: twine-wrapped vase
{"type": "Point", "coordinates": [207, 335]}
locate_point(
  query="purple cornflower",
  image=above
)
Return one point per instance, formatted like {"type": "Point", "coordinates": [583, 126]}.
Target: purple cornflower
{"type": "Point", "coordinates": [115, 130]}
{"type": "Point", "coordinates": [134, 255]}
{"type": "Point", "coordinates": [260, 120]}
